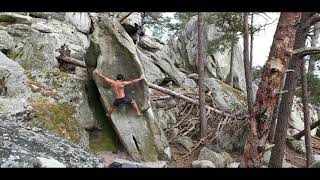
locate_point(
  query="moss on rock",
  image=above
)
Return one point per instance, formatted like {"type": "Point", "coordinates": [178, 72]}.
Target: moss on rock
{"type": "Point", "coordinates": [57, 117]}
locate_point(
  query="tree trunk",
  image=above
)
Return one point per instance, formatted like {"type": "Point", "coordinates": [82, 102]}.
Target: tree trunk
{"type": "Point", "coordinates": [314, 41]}
{"type": "Point", "coordinates": [251, 41]}
{"type": "Point", "coordinates": [231, 64]}
{"type": "Point", "coordinates": [202, 107]}
{"type": "Point", "coordinates": [277, 63]}
{"type": "Point", "coordinates": [277, 153]}
{"type": "Point", "coordinates": [246, 61]}
{"type": "Point", "coordinates": [276, 111]}
{"type": "Point", "coordinates": [306, 114]}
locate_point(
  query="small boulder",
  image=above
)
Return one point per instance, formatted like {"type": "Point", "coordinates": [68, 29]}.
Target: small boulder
{"type": "Point", "coordinates": [186, 142]}
{"type": "Point", "coordinates": [220, 160]}
{"type": "Point", "coordinates": [203, 164]}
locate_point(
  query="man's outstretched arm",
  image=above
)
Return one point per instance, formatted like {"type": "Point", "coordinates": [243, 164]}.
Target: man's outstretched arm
{"type": "Point", "coordinates": [110, 81]}
{"type": "Point", "coordinates": [134, 81]}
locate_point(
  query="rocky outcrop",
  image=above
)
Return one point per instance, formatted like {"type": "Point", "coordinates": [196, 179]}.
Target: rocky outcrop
{"type": "Point", "coordinates": [13, 81]}
{"type": "Point", "coordinates": [226, 97]}
{"type": "Point", "coordinates": [112, 51]}
{"type": "Point", "coordinates": [183, 51]}
{"type": "Point", "coordinates": [24, 146]}
{"type": "Point", "coordinates": [35, 42]}
{"type": "Point", "coordinates": [158, 54]}
{"type": "Point", "coordinates": [296, 122]}
{"type": "Point", "coordinates": [6, 41]}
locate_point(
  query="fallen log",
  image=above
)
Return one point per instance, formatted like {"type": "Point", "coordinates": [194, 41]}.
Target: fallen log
{"type": "Point", "coordinates": [300, 134]}
{"type": "Point", "coordinates": [177, 95]}
{"type": "Point", "coordinates": [72, 61]}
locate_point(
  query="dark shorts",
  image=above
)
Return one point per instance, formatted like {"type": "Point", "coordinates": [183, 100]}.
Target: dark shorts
{"type": "Point", "coordinates": [124, 100]}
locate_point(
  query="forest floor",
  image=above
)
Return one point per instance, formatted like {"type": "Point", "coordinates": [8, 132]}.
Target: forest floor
{"type": "Point", "coordinates": [292, 157]}
{"type": "Point", "coordinates": [299, 160]}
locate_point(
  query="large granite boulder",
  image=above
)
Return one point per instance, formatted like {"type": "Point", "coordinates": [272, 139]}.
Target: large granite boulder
{"type": "Point", "coordinates": [13, 81]}
{"type": "Point", "coordinates": [24, 146]}
{"type": "Point", "coordinates": [183, 52]}
{"type": "Point", "coordinates": [112, 51]}
{"type": "Point", "coordinates": [158, 54]}
{"type": "Point", "coordinates": [6, 41]}
{"type": "Point", "coordinates": [35, 43]}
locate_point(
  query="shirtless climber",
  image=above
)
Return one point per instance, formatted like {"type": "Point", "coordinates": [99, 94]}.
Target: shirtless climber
{"type": "Point", "coordinates": [118, 88]}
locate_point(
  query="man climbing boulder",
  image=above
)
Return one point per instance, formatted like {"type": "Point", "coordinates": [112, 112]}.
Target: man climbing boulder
{"type": "Point", "coordinates": [118, 89]}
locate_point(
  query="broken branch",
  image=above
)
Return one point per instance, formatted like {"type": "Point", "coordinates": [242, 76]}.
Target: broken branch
{"type": "Point", "coordinates": [302, 133]}
{"type": "Point", "coordinates": [125, 17]}
{"type": "Point", "coordinates": [306, 51]}
{"type": "Point", "coordinates": [72, 61]}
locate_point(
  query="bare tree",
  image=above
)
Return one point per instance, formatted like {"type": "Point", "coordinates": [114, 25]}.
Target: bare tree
{"type": "Point", "coordinates": [246, 61]}
{"type": "Point", "coordinates": [277, 153]}
{"type": "Point", "coordinates": [231, 63]}
{"type": "Point", "coordinates": [251, 41]}
{"type": "Point", "coordinates": [202, 107]}
{"type": "Point", "coordinates": [277, 63]}
{"type": "Point", "coordinates": [306, 114]}
{"type": "Point", "coordinates": [276, 111]}
{"type": "Point", "coordinates": [314, 41]}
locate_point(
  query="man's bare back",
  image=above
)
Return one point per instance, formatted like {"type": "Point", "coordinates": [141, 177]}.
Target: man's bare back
{"type": "Point", "coordinates": [118, 89]}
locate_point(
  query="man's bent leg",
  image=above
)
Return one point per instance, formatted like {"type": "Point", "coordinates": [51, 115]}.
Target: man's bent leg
{"type": "Point", "coordinates": [135, 107]}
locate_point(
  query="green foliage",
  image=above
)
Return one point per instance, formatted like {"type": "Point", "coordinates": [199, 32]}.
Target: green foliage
{"type": "Point", "coordinates": [314, 89]}
{"type": "Point", "coordinates": [256, 72]}
{"type": "Point", "coordinates": [228, 24]}
{"type": "Point", "coordinates": [159, 24]}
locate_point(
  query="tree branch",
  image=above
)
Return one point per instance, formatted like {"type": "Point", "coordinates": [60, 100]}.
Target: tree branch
{"type": "Point", "coordinates": [306, 51]}
{"type": "Point", "coordinates": [172, 93]}
{"type": "Point", "coordinates": [125, 17]}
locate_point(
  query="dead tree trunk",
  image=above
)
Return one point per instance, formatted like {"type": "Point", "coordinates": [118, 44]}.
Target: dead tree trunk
{"type": "Point", "coordinates": [247, 66]}
{"type": "Point", "coordinates": [251, 41]}
{"type": "Point", "coordinates": [306, 114]}
{"type": "Point", "coordinates": [276, 111]}
{"type": "Point", "coordinates": [300, 134]}
{"type": "Point", "coordinates": [314, 41]}
{"type": "Point", "coordinates": [231, 64]}
{"type": "Point", "coordinates": [277, 153]}
{"type": "Point", "coordinates": [276, 65]}
{"type": "Point", "coordinates": [202, 107]}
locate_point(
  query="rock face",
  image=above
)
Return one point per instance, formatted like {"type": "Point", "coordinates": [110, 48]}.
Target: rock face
{"type": "Point", "coordinates": [112, 51]}
{"type": "Point", "coordinates": [34, 147]}
{"type": "Point", "coordinates": [6, 41]}
{"type": "Point", "coordinates": [35, 43]}
{"type": "Point", "coordinates": [296, 121]}
{"type": "Point", "coordinates": [158, 54]}
{"type": "Point", "coordinates": [183, 52]}
{"type": "Point", "coordinates": [13, 81]}
{"type": "Point", "coordinates": [226, 97]}
{"type": "Point", "coordinates": [49, 100]}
